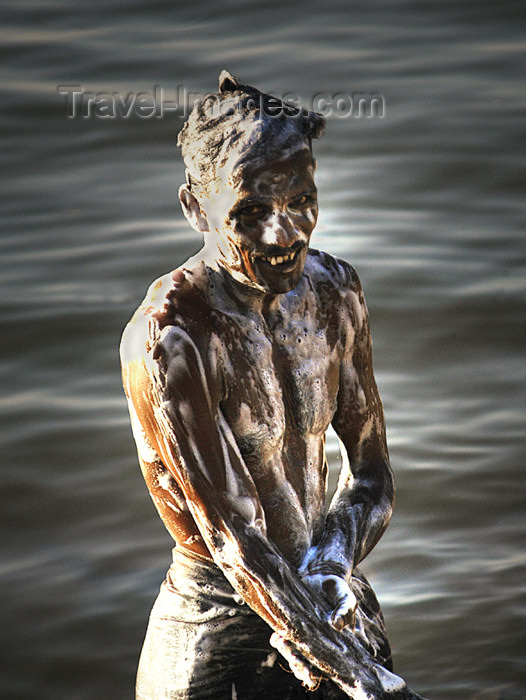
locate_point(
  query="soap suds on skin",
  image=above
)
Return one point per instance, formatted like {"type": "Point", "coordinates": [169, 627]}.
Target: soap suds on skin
{"type": "Point", "coordinates": [267, 434]}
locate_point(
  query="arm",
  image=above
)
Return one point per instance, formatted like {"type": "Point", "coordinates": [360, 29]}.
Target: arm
{"type": "Point", "coordinates": [362, 505]}
{"type": "Point", "coordinates": [176, 401]}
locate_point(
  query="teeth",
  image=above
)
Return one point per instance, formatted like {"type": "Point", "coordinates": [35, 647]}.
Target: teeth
{"type": "Point", "coordinates": [281, 259]}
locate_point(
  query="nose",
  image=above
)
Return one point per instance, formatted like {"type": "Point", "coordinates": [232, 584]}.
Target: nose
{"type": "Point", "coordinates": [279, 230]}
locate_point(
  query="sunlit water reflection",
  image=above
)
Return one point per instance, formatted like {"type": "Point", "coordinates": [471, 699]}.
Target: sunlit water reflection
{"type": "Point", "coordinates": [426, 202]}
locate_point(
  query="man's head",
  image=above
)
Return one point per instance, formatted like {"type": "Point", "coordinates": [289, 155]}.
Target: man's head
{"type": "Point", "coordinates": [250, 185]}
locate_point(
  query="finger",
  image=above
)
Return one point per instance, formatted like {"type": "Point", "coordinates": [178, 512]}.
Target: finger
{"type": "Point", "coordinates": [340, 621]}
{"type": "Point", "coordinates": [299, 666]}
{"type": "Point", "coordinates": [344, 614]}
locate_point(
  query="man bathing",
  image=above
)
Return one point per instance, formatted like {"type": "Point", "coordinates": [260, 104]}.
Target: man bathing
{"type": "Point", "coordinates": [234, 367]}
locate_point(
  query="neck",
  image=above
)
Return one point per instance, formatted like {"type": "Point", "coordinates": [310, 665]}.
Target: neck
{"type": "Point", "coordinates": [244, 297]}
{"type": "Point", "coordinates": [251, 297]}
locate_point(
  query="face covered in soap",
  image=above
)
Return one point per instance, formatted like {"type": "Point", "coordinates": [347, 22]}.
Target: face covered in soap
{"type": "Point", "coordinates": [261, 218]}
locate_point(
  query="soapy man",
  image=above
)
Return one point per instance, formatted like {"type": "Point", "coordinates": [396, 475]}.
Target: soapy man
{"type": "Point", "coordinates": [234, 366]}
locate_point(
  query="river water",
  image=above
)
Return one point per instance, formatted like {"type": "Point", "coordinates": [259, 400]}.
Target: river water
{"type": "Point", "coordinates": [426, 200]}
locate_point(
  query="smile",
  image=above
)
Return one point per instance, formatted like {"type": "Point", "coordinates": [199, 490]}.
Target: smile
{"type": "Point", "coordinates": [279, 259]}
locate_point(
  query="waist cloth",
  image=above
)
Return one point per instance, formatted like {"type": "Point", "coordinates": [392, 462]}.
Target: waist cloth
{"type": "Point", "coordinates": [204, 643]}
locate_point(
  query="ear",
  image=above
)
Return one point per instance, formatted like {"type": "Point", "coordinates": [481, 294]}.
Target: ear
{"type": "Point", "coordinates": [192, 210]}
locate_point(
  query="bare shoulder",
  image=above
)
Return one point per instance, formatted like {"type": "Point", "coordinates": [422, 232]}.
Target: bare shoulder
{"type": "Point", "coordinates": [172, 304]}
{"type": "Point", "coordinates": [339, 295]}
{"type": "Point", "coordinates": [325, 269]}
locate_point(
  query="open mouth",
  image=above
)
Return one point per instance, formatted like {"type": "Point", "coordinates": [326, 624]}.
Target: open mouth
{"type": "Point", "coordinates": [280, 262]}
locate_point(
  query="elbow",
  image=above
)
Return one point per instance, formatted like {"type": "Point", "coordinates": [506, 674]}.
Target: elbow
{"type": "Point", "coordinates": [387, 513]}
{"type": "Point", "coordinates": [383, 494]}
{"type": "Point", "coordinates": [384, 503]}
{"type": "Point", "coordinates": [389, 491]}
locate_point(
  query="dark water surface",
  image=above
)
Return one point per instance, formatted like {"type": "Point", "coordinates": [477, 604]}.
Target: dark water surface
{"type": "Point", "coordinates": [427, 202]}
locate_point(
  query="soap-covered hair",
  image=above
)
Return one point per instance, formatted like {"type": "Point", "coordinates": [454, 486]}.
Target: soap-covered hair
{"type": "Point", "coordinates": [258, 123]}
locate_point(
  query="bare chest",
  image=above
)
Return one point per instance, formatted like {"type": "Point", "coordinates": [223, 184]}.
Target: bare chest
{"type": "Point", "coordinates": [280, 378]}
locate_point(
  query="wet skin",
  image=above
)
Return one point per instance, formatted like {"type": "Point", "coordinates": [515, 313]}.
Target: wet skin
{"type": "Point", "coordinates": [261, 222]}
{"type": "Point", "coordinates": [234, 367]}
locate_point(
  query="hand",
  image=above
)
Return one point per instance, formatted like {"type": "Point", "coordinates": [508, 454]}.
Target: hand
{"type": "Point", "coordinates": [336, 591]}
{"type": "Point", "coordinates": [300, 667]}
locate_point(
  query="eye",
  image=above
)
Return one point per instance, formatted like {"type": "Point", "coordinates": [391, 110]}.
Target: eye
{"type": "Point", "coordinates": [252, 212]}
{"type": "Point", "coordinates": [304, 200]}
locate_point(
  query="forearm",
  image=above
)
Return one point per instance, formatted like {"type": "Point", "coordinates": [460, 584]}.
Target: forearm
{"type": "Point", "coordinates": [358, 515]}
{"type": "Point", "coordinates": [259, 573]}
{"type": "Point", "coordinates": [300, 617]}
{"type": "Point", "coordinates": [261, 576]}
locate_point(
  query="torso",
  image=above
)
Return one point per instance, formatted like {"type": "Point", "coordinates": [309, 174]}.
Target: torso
{"type": "Point", "coordinates": [276, 369]}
